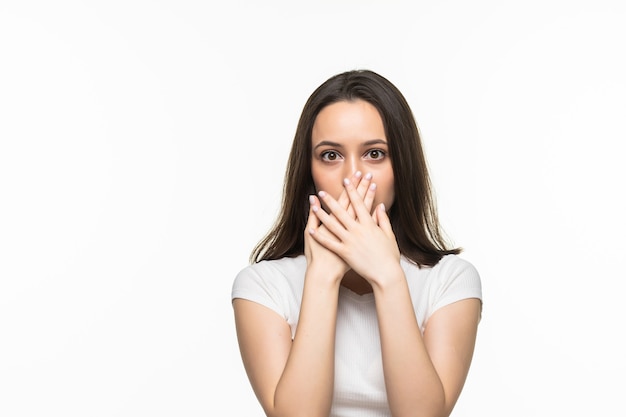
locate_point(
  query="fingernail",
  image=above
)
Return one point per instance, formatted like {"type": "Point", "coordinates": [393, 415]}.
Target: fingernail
{"type": "Point", "coordinates": [368, 176]}
{"type": "Point", "coordinates": [314, 208]}
{"type": "Point", "coordinates": [382, 206]}
{"type": "Point", "coordinates": [311, 199]}
{"type": "Point", "coordinates": [373, 186]}
{"type": "Point", "coordinates": [346, 181]}
{"type": "Point", "coordinates": [322, 194]}
{"type": "Point", "coordinates": [357, 174]}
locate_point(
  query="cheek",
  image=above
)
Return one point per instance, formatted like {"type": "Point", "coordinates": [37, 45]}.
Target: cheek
{"type": "Point", "coordinates": [334, 188]}
{"type": "Point", "coordinates": [385, 193]}
{"type": "Point", "coordinates": [327, 182]}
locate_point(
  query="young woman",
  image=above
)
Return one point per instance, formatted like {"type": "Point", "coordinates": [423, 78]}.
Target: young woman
{"type": "Point", "coordinates": [353, 304]}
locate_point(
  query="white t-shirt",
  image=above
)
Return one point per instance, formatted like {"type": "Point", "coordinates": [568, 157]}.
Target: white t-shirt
{"type": "Point", "coordinates": [359, 382]}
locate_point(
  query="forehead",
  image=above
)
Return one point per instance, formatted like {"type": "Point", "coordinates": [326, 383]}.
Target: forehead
{"type": "Point", "coordinates": [356, 119]}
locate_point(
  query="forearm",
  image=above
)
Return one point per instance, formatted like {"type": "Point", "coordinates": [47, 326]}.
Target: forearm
{"type": "Point", "coordinates": [306, 385]}
{"type": "Point", "coordinates": [413, 385]}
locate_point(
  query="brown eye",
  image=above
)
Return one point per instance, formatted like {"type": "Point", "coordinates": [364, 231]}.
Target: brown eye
{"type": "Point", "coordinates": [330, 156]}
{"type": "Point", "coordinates": [376, 154]}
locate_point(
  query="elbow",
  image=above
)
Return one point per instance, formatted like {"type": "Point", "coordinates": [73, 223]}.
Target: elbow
{"type": "Point", "coordinates": [433, 404]}
{"type": "Point", "coordinates": [300, 413]}
{"type": "Point", "coordinates": [297, 410]}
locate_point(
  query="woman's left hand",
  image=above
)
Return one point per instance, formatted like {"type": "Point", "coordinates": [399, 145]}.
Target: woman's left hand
{"type": "Point", "coordinates": [366, 243]}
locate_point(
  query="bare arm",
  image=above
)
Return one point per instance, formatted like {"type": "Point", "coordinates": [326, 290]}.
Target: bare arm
{"type": "Point", "coordinates": [296, 378]}
{"type": "Point", "coordinates": [424, 375]}
{"type": "Point", "coordinates": [290, 378]}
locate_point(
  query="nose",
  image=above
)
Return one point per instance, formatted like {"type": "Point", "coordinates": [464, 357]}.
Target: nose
{"type": "Point", "coordinates": [353, 164]}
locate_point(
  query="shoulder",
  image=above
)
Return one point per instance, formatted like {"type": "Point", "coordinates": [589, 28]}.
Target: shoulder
{"type": "Point", "coordinates": [274, 276]}
{"type": "Point", "coordinates": [452, 270]}
{"type": "Point", "coordinates": [284, 267]}
{"type": "Point", "coordinates": [452, 279]}
{"type": "Point", "coordinates": [457, 279]}
{"type": "Point", "coordinates": [276, 284]}
{"type": "Point", "coordinates": [455, 265]}
{"type": "Point", "coordinates": [448, 266]}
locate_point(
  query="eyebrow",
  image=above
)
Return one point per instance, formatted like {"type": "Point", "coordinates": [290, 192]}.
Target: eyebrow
{"type": "Point", "coordinates": [338, 145]}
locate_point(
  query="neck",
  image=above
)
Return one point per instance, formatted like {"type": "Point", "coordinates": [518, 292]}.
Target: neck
{"type": "Point", "coordinates": [356, 283]}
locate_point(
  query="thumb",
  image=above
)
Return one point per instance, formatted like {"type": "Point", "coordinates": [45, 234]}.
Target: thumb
{"type": "Point", "coordinates": [311, 223]}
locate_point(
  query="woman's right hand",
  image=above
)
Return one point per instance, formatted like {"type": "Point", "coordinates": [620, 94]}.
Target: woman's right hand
{"type": "Point", "coordinates": [324, 262]}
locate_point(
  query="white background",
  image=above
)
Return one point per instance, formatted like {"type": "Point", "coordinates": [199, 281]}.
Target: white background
{"type": "Point", "coordinates": [142, 152]}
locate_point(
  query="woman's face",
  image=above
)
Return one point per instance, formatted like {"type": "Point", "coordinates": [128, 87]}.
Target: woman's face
{"type": "Point", "coordinates": [349, 136]}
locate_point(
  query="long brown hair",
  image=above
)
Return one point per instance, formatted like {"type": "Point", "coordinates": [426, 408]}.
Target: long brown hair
{"type": "Point", "coordinates": [413, 214]}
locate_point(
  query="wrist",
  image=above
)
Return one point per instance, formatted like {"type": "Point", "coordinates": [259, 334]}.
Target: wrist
{"type": "Point", "coordinates": [387, 277]}
{"type": "Point", "coordinates": [324, 276]}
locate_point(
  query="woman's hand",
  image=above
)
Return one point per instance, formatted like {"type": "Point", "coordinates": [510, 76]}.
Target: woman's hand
{"type": "Point", "coordinates": [320, 257]}
{"type": "Point", "coordinates": [365, 242]}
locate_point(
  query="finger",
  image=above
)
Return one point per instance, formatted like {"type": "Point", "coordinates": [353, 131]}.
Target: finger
{"type": "Point", "coordinates": [323, 234]}
{"type": "Point", "coordinates": [383, 220]}
{"type": "Point", "coordinates": [362, 212]}
{"type": "Point", "coordinates": [327, 240]}
{"type": "Point", "coordinates": [361, 184]}
{"type": "Point", "coordinates": [311, 226]}
{"type": "Point", "coordinates": [319, 227]}
{"type": "Point", "coordinates": [362, 189]}
{"type": "Point", "coordinates": [338, 220]}
{"type": "Point", "coordinates": [312, 222]}
{"type": "Point", "coordinates": [368, 200]}
{"type": "Point", "coordinates": [344, 200]}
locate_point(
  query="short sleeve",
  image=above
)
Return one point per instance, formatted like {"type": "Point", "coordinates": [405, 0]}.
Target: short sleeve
{"type": "Point", "coordinates": [254, 285]}
{"type": "Point", "coordinates": [458, 279]}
